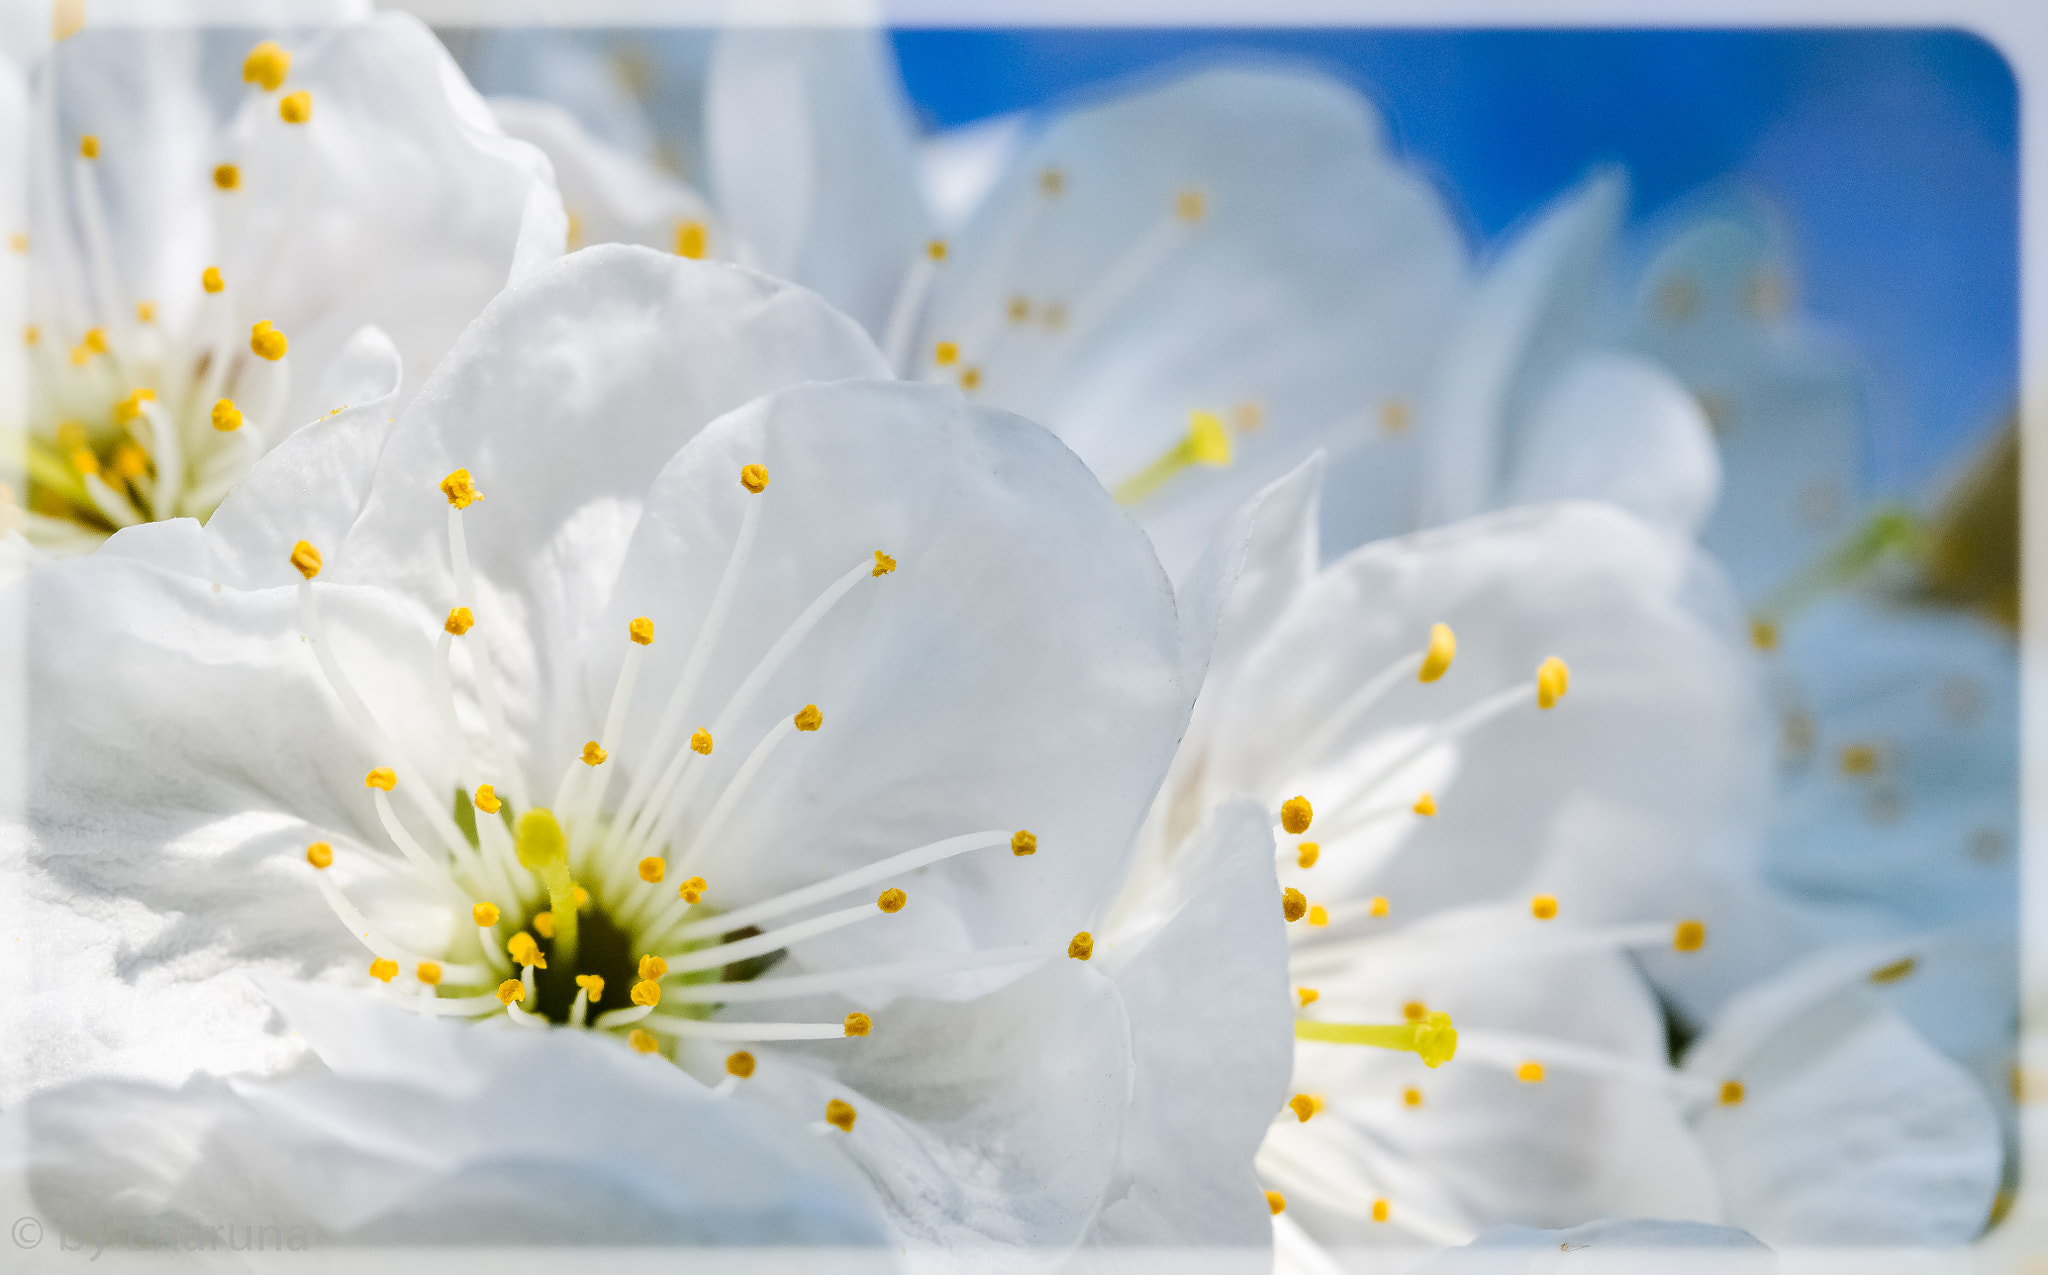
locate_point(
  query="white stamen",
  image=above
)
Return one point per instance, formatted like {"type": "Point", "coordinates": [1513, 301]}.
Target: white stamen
{"type": "Point", "coordinates": [113, 506]}
{"type": "Point", "coordinates": [622, 1017]}
{"type": "Point", "coordinates": [1509, 1050]}
{"type": "Point", "coordinates": [99, 260]}
{"type": "Point", "coordinates": [769, 989]}
{"type": "Point", "coordinates": [699, 1029]}
{"type": "Point", "coordinates": [905, 309]}
{"type": "Point", "coordinates": [580, 1008]}
{"type": "Point", "coordinates": [1442, 733]}
{"type": "Point", "coordinates": [710, 958]}
{"type": "Point", "coordinates": [1319, 740]}
{"type": "Point", "coordinates": [169, 457]}
{"type": "Point", "coordinates": [381, 944]}
{"type": "Point", "coordinates": [592, 801]}
{"type": "Point", "coordinates": [480, 661]}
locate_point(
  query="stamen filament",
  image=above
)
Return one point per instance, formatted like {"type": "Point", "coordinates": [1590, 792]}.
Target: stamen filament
{"type": "Point", "coordinates": [381, 944]}
{"type": "Point", "coordinates": [711, 958]}
{"type": "Point", "coordinates": [768, 989]}
{"type": "Point", "coordinates": [1443, 732]}
{"type": "Point", "coordinates": [699, 1029]}
{"type": "Point", "coordinates": [906, 307]}
{"type": "Point", "coordinates": [480, 661]}
{"type": "Point", "coordinates": [622, 1017]}
{"type": "Point", "coordinates": [169, 458]}
{"type": "Point", "coordinates": [1319, 740]}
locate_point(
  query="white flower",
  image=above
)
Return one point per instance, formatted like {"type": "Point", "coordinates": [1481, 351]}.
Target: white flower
{"type": "Point", "coordinates": [862, 683]}
{"type": "Point", "coordinates": [194, 267]}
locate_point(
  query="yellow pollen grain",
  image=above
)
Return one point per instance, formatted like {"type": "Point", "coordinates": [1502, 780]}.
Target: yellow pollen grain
{"type": "Point", "coordinates": [1859, 759]}
{"type": "Point", "coordinates": [809, 717]}
{"type": "Point", "coordinates": [1304, 1105]}
{"type": "Point", "coordinates": [1307, 996]}
{"type": "Point", "coordinates": [1293, 904]}
{"type": "Point", "coordinates": [1411, 1096]}
{"type": "Point", "coordinates": [1543, 907]}
{"type": "Point", "coordinates": [295, 108]}
{"type": "Point", "coordinates": [1393, 416]}
{"type": "Point", "coordinates": [210, 279]}
{"type": "Point", "coordinates": [487, 799]}
{"type": "Point", "coordinates": [641, 631]}
{"type": "Point", "coordinates": [266, 342]}
{"type": "Point", "coordinates": [935, 249]}
{"type": "Point", "coordinates": [1689, 936]}
{"type": "Point", "coordinates": [1530, 1073]}
{"type": "Point", "coordinates": [1189, 205]}
{"type": "Point", "coordinates": [320, 854]}
{"type": "Point", "coordinates": [544, 924]}
{"type": "Point", "coordinates": [1763, 634]}
{"type": "Point", "coordinates": [1425, 805]}
{"type": "Point", "coordinates": [884, 564]}
{"type": "Point", "coordinates": [754, 478]}
{"type": "Point", "coordinates": [1895, 971]}
{"type": "Point", "coordinates": [226, 176]}
{"type": "Point", "coordinates": [96, 340]}
{"type": "Point", "coordinates": [1731, 1093]}
{"type": "Point", "coordinates": [970, 378]}
{"type": "Point", "coordinates": [1296, 814]}
{"type": "Point", "coordinates": [1380, 1210]}
{"type": "Point", "coordinates": [1318, 915]}
{"type": "Point", "coordinates": [1415, 1011]}
{"type": "Point", "coordinates": [460, 489]}
{"type": "Point", "coordinates": [1276, 1202]}
{"type": "Point", "coordinates": [227, 418]}
{"type": "Point", "coordinates": [130, 461]}
{"type": "Point", "coordinates": [891, 900]}
{"type": "Point", "coordinates": [643, 1041]}
{"type": "Point", "coordinates": [484, 914]}
{"type": "Point", "coordinates": [460, 620]}
{"type": "Point", "coordinates": [700, 742]}
{"type": "Point", "coordinates": [1553, 679]}
{"type": "Point", "coordinates": [525, 951]}
{"type": "Point", "coordinates": [946, 353]}
{"type": "Point", "coordinates": [428, 972]}
{"type": "Point", "coordinates": [652, 967]}
{"type": "Point", "coordinates": [1019, 309]}
{"type": "Point", "coordinates": [84, 461]}
{"type": "Point", "coordinates": [653, 868]}
{"type": "Point", "coordinates": [578, 893]}
{"type": "Point", "coordinates": [1023, 842]}
{"type": "Point", "coordinates": [740, 1063]}
{"type": "Point", "coordinates": [1378, 906]}
{"type": "Point", "coordinates": [692, 239]}
{"type": "Point", "coordinates": [382, 777]}
{"type": "Point", "coordinates": [1307, 853]}
{"type": "Point", "coordinates": [592, 985]}
{"type": "Point", "coordinates": [145, 312]}
{"type": "Point", "coordinates": [267, 64]}
{"type": "Point", "coordinates": [859, 1024]}
{"type": "Point", "coordinates": [593, 755]}
{"type": "Point", "coordinates": [647, 992]}
{"type": "Point", "coordinates": [840, 1115]}
{"type": "Point", "coordinates": [306, 558]}
{"type": "Point", "coordinates": [1081, 946]}
{"type": "Point", "coordinates": [1436, 660]}
{"type": "Point", "coordinates": [383, 969]}
{"type": "Point", "coordinates": [89, 146]}
{"type": "Point", "coordinates": [511, 990]}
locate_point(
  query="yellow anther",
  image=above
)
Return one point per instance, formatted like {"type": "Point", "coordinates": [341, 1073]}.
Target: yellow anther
{"type": "Point", "coordinates": [641, 631]}
{"type": "Point", "coordinates": [593, 755]}
{"type": "Point", "coordinates": [1023, 843]}
{"type": "Point", "coordinates": [1731, 1093]}
{"type": "Point", "coordinates": [1307, 853]}
{"type": "Point", "coordinates": [840, 1115]}
{"type": "Point", "coordinates": [382, 777]}
{"type": "Point", "coordinates": [1689, 936]}
{"type": "Point", "coordinates": [1895, 971]}
{"type": "Point", "coordinates": [1431, 1038]}
{"type": "Point", "coordinates": [266, 342]}
{"type": "Point", "coordinates": [428, 972]}
{"type": "Point", "coordinates": [31, 334]}
{"type": "Point", "coordinates": [80, 355]}
{"type": "Point", "coordinates": [460, 620]}
{"type": "Point", "coordinates": [84, 461]}
{"type": "Point", "coordinates": [647, 992]}
{"type": "Point", "coordinates": [67, 18]}
{"type": "Point", "coordinates": [1020, 309]}
{"type": "Point", "coordinates": [460, 489]}
{"type": "Point", "coordinates": [1293, 904]}
{"type": "Point", "coordinates": [1052, 183]}
{"type": "Point", "coordinates": [484, 914]}
{"type": "Point", "coordinates": [96, 340]}
{"type": "Point", "coordinates": [131, 407]}
{"type": "Point", "coordinates": [210, 279]}
{"type": "Point", "coordinates": [859, 1024]}
{"type": "Point", "coordinates": [295, 108]}
{"type": "Point", "coordinates": [524, 950]}
{"type": "Point", "coordinates": [1530, 1073]}
{"type": "Point", "coordinates": [1380, 1210]}
{"type": "Point", "coordinates": [89, 146]}
{"type": "Point", "coordinates": [1411, 1096]}
{"type": "Point", "coordinates": [1081, 946]}
{"type": "Point", "coordinates": [486, 799]}
{"type": "Point", "coordinates": [653, 868]}
{"type": "Point", "coordinates": [145, 312]}
{"type": "Point", "coordinates": [1304, 1105]}
{"type": "Point", "coordinates": [1553, 679]}
{"type": "Point", "coordinates": [946, 353]}
{"type": "Point", "coordinates": [970, 378]}
{"type": "Point", "coordinates": [754, 478]}
{"type": "Point", "coordinates": [1296, 815]}
{"type": "Point", "coordinates": [700, 742]}
{"type": "Point", "coordinates": [1276, 1202]}
{"type": "Point", "coordinates": [383, 969]}
{"type": "Point", "coordinates": [1543, 906]}
{"type": "Point", "coordinates": [592, 985]}
{"type": "Point", "coordinates": [511, 990]}
{"type": "Point", "coordinates": [1859, 759]}
{"type": "Point", "coordinates": [1189, 205]}
{"type": "Point", "coordinates": [1318, 915]}
{"type": "Point", "coordinates": [692, 238]}
{"type": "Point", "coordinates": [652, 967]}
{"type": "Point", "coordinates": [130, 461]}
{"type": "Point", "coordinates": [267, 64]}
{"type": "Point", "coordinates": [1443, 648]}
{"type": "Point", "coordinates": [320, 854]}
{"type": "Point", "coordinates": [1763, 634]}
{"type": "Point", "coordinates": [579, 894]}
{"type": "Point", "coordinates": [1307, 996]}
{"type": "Point", "coordinates": [935, 249]}
{"type": "Point", "coordinates": [1425, 805]}
{"type": "Point", "coordinates": [226, 176]}
{"type": "Point", "coordinates": [1393, 416]}
{"type": "Point", "coordinates": [891, 900]}
{"type": "Point", "coordinates": [809, 717]}
{"type": "Point", "coordinates": [227, 418]}
{"type": "Point", "coordinates": [306, 558]}
{"type": "Point", "coordinates": [539, 840]}
{"type": "Point", "coordinates": [544, 924]}
{"type": "Point", "coordinates": [642, 1041]}
{"type": "Point", "coordinates": [1414, 1011]}
{"type": "Point", "coordinates": [884, 564]}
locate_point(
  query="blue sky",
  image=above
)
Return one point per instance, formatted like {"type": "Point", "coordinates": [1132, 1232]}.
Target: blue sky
{"type": "Point", "coordinates": [1891, 154]}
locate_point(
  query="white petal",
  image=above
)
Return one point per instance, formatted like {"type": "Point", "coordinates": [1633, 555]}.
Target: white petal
{"type": "Point", "coordinates": [611, 196]}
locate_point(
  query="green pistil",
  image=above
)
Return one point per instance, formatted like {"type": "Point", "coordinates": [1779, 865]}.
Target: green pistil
{"type": "Point", "coordinates": [1432, 1038]}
